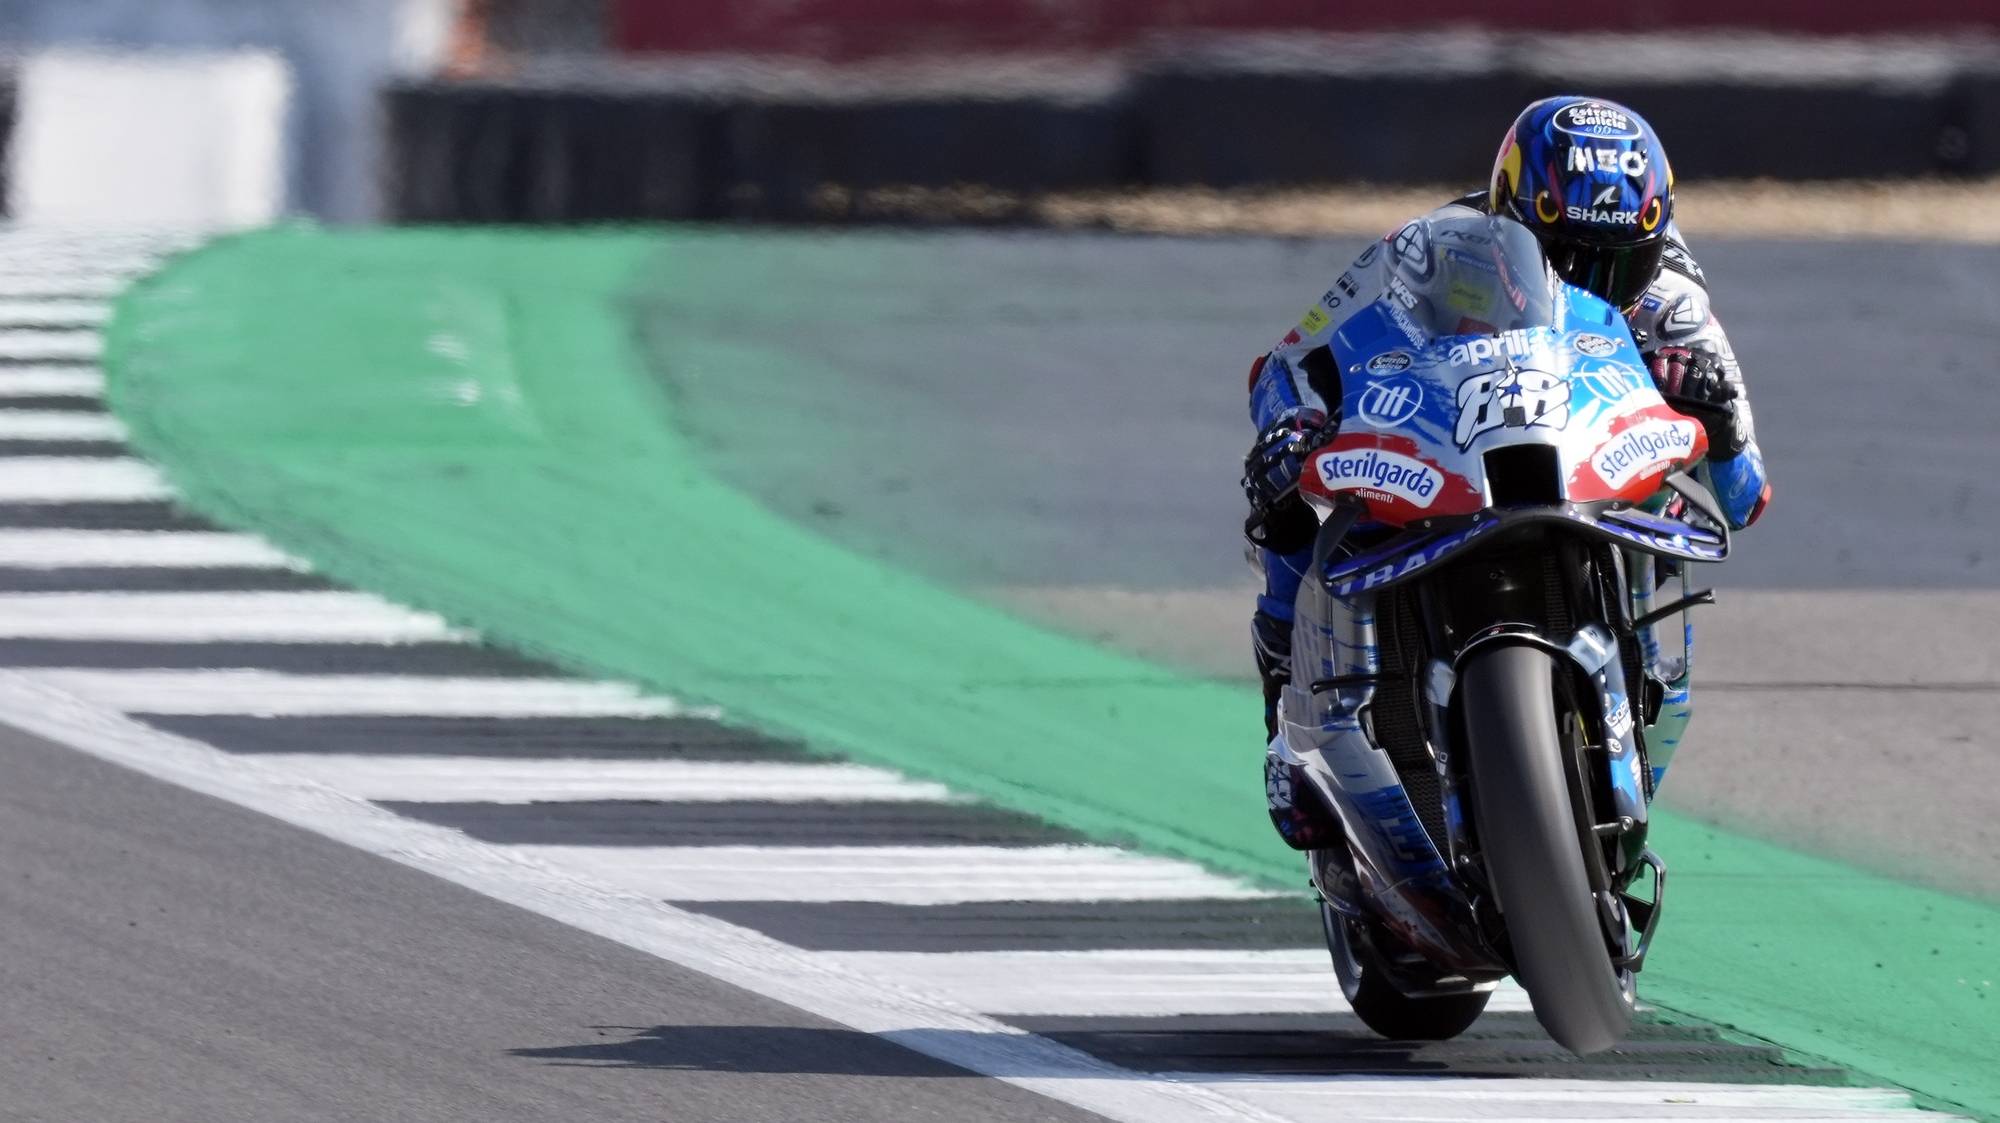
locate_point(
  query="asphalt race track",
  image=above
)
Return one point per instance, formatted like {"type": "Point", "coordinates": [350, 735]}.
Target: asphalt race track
{"type": "Point", "coordinates": [698, 954]}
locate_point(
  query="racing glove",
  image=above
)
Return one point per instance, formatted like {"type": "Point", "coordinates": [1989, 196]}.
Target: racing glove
{"type": "Point", "coordinates": [1279, 519]}
{"type": "Point", "coordinates": [1692, 381]}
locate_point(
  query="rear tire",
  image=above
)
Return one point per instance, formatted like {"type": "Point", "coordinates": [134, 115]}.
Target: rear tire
{"type": "Point", "coordinates": [1377, 1002]}
{"type": "Point", "coordinates": [1530, 835]}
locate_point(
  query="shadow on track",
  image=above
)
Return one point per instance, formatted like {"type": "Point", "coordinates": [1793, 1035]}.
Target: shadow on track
{"type": "Point", "coordinates": [1501, 1045]}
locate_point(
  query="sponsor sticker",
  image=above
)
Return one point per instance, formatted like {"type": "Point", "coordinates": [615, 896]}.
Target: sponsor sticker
{"type": "Point", "coordinates": [1381, 471]}
{"type": "Point", "coordinates": [1390, 402]}
{"type": "Point", "coordinates": [1620, 718]}
{"type": "Point", "coordinates": [1315, 321]}
{"type": "Point", "coordinates": [1624, 161]}
{"type": "Point", "coordinates": [1604, 216]}
{"type": "Point", "coordinates": [1595, 119]}
{"type": "Point", "coordinates": [1514, 341]}
{"type": "Point", "coordinates": [1595, 346]}
{"type": "Point", "coordinates": [1390, 362]}
{"type": "Point", "coordinates": [1643, 448]}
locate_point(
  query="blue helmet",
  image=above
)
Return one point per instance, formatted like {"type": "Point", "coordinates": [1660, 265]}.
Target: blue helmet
{"type": "Point", "coordinates": [1592, 181]}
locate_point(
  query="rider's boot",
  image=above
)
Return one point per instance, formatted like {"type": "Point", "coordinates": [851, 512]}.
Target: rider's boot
{"type": "Point", "coordinates": [1298, 813]}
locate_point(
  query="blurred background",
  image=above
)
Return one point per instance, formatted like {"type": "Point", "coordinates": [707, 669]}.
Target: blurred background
{"type": "Point", "coordinates": [956, 110]}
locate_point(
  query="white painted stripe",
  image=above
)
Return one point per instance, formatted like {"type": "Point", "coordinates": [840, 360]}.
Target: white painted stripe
{"type": "Point", "coordinates": [271, 694]}
{"type": "Point", "coordinates": [1130, 982]}
{"type": "Point", "coordinates": [79, 479]}
{"type": "Point", "coordinates": [1375, 1099]}
{"type": "Point", "coordinates": [21, 381]}
{"type": "Point", "coordinates": [908, 1015]}
{"type": "Point", "coordinates": [72, 287]}
{"type": "Point", "coordinates": [930, 1025]}
{"type": "Point", "coordinates": [431, 779]}
{"type": "Point", "coordinates": [24, 344]}
{"type": "Point", "coordinates": [902, 875]}
{"type": "Point", "coordinates": [54, 313]}
{"type": "Point", "coordinates": [53, 549]}
{"type": "Point", "coordinates": [309, 617]}
{"type": "Point", "coordinates": [58, 425]}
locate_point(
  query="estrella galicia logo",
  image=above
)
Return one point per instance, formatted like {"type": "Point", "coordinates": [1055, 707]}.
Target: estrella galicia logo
{"type": "Point", "coordinates": [1390, 362]}
{"type": "Point", "coordinates": [1595, 346]}
{"type": "Point", "coordinates": [1390, 402]}
{"type": "Point", "coordinates": [1595, 119]}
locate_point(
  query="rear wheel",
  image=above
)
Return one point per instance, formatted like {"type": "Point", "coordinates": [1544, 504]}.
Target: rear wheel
{"type": "Point", "coordinates": [1376, 1001]}
{"type": "Point", "coordinates": [1533, 840]}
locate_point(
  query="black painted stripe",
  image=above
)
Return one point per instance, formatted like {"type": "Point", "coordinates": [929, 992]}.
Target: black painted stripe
{"type": "Point", "coordinates": [1498, 1045]}
{"type": "Point", "coordinates": [290, 658]}
{"type": "Point", "coordinates": [157, 579]}
{"type": "Point", "coordinates": [64, 448]}
{"type": "Point", "coordinates": [745, 823]}
{"type": "Point", "coordinates": [55, 403]}
{"type": "Point", "coordinates": [117, 515]}
{"type": "Point", "coordinates": [600, 738]}
{"type": "Point", "coordinates": [1026, 925]}
{"type": "Point", "coordinates": [60, 361]}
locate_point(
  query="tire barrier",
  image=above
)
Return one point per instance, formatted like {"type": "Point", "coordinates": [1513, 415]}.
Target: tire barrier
{"type": "Point", "coordinates": [491, 151]}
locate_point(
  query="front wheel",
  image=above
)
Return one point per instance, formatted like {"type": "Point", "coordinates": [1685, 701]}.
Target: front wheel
{"type": "Point", "coordinates": [1533, 840]}
{"type": "Point", "coordinates": [1377, 1002]}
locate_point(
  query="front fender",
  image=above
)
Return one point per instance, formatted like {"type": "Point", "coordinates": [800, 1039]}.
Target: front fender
{"type": "Point", "coordinates": [1593, 654]}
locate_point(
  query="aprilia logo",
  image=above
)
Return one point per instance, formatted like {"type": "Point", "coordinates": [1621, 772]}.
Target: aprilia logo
{"type": "Point", "coordinates": [1513, 342]}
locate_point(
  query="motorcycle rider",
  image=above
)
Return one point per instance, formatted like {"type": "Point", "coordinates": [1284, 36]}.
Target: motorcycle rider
{"type": "Point", "coordinates": [1591, 180]}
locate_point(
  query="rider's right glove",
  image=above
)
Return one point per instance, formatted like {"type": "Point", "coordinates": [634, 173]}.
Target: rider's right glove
{"type": "Point", "coordinates": [1279, 520]}
{"type": "Point", "coordinates": [1692, 381]}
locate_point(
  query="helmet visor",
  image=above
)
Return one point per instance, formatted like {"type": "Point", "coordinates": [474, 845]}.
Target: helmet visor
{"type": "Point", "coordinates": [1620, 274]}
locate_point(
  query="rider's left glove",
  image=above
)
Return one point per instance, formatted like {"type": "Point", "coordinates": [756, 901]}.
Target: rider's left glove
{"type": "Point", "coordinates": [1279, 519]}
{"type": "Point", "coordinates": [1692, 381]}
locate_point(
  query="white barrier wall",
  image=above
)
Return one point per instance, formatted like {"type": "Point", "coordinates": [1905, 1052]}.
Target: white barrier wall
{"type": "Point", "coordinates": [127, 139]}
{"type": "Point", "coordinates": [340, 52]}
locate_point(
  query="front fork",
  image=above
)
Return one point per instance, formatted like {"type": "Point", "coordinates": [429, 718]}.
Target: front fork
{"type": "Point", "coordinates": [1666, 655]}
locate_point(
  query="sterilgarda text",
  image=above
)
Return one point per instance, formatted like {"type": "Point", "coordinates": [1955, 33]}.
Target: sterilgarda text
{"type": "Point", "coordinates": [1642, 447]}
{"type": "Point", "coordinates": [1388, 472]}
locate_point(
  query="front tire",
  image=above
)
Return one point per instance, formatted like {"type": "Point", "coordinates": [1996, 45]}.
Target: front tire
{"type": "Point", "coordinates": [1529, 832]}
{"type": "Point", "coordinates": [1377, 1002]}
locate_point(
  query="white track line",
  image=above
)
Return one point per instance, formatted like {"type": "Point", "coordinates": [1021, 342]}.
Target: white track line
{"type": "Point", "coordinates": [908, 1015]}
{"type": "Point", "coordinates": [79, 479]}
{"type": "Point", "coordinates": [272, 694]}
{"type": "Point", "coordinates": [265, 617]}
{"type": "Point", "coordinates": [901, 875]}
{"type": "Point", "coordinates": [1129, 982]}
{"type": "Point", "coordinates": [1375, 1099]}
{"type": "Point", "coordinates": [53, 313]}
{"type": "Point", "coordinates": [118, 549]}
{"type": "Point", "coordinates": [58, 425]}
{"type": "Point", "coordinates": [87, 287]}
{"type": "Point", "coordinates": [25, 344]}
{"type": "Point", "coordinates": [455, 779]}
{"type": "Point", "coordinates": [23, 381]}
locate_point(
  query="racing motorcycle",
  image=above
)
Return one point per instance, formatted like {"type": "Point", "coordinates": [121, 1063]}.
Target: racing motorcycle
{"type": "Point", "coordinates": [1486, 681]}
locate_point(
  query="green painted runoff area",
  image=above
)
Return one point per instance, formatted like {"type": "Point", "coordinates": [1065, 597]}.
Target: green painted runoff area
{"type": "Point", "coordinates": [462, 420]}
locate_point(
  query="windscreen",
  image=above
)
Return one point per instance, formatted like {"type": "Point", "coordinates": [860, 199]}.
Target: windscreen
{"type": "Point", "coordinates": [1471, 275]}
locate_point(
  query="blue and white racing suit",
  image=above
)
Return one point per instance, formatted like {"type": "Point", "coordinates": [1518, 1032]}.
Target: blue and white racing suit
{"type": "Point", "coordinates": [1673, 313]}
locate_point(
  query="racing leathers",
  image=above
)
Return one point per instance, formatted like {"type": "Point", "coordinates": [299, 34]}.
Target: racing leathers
{"type": "Point", "coordinates": [1678, 335]}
